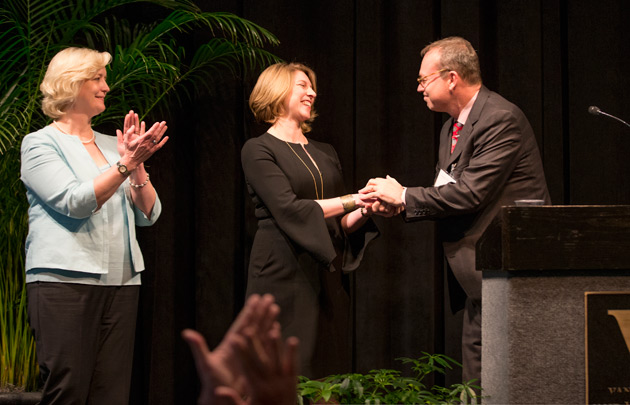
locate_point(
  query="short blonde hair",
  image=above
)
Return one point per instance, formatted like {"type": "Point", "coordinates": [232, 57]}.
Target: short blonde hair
{"type": "Point", "coordinates": [274, 85]}
{"type": "Point", "coordinates": [66, 72]}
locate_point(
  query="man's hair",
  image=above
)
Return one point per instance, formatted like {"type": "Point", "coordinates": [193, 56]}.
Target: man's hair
{"type": "Point", "coordinates": [66, 73]}
{"type": "Point", "coordinates": [272, 88]}
{"type": "Point", "coordinates": [457, 54]}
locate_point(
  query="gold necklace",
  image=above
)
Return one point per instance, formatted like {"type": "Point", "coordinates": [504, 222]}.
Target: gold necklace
{"type": "Point", "coordinates": [309, 170]}
{"type": "Point", "coordinates": [82, 141]}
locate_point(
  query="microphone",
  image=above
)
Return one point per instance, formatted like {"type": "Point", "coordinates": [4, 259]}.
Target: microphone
{"type": "Point", "coordinates": [596, 111]}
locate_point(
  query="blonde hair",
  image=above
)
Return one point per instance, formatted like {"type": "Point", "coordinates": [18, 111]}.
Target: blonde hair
{"type": "Point", "coordinates": [457, 54]}
{"type": "Point", "coordinates": [274, 85]}
{"type": "Point", "coordinates": [66, 72]}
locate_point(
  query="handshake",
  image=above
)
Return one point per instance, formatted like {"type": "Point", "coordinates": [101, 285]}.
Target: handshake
{"type": "Point", "coordinates": [382, 196]}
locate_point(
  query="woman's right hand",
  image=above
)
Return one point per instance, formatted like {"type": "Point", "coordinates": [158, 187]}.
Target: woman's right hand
{"type": "Point", "coordinates": [138, 146]}
{"type": "Point", "coordinates": [383, 209]}
{"type": "Point", "coordinates": [131, 118]}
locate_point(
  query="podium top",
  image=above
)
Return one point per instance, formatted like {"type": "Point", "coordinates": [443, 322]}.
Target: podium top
{"type": "Point", "coordinates": [557, 237]}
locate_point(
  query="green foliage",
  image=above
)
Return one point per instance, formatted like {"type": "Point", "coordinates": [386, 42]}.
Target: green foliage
{"type": "Point", "coordinates": [156, 64]}
{"type": "Point", "coordinates": [389, 386]}
{"type": "Point", "coordinates": [17, 346]}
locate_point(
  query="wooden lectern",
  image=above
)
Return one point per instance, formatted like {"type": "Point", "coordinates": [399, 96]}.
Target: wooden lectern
{"type": "Point", "coordinates": [540, 344]}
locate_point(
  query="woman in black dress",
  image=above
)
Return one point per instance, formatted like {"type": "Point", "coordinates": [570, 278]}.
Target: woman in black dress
{"type": "Point", "coordinates": [308, 237]}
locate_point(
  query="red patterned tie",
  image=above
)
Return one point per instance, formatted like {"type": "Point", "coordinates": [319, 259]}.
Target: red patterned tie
{"type": "Point", "coordinates": [456, 128]}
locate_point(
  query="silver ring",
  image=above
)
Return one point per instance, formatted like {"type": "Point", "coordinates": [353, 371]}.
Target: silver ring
{"type": "Point", "coordinates": [155, 142]}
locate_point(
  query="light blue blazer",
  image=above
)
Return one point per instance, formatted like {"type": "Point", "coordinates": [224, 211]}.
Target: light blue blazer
{"type": "Point", "coordinates": [65, 229]}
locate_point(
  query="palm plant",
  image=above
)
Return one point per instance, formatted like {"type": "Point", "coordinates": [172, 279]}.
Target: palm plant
{"type": "Point", "coordinates": [151, 69]}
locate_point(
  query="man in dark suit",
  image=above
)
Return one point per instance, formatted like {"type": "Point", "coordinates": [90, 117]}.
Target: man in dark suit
{"type": "Point", "coordinates": [488, 157]}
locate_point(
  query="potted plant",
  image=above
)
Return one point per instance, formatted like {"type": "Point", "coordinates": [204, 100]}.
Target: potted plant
{"type": "Point", "coordinates": [151, 69]}
{"type": "Point", "coordinates": [386, 386]}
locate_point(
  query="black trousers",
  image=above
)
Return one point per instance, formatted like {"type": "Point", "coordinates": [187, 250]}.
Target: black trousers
{"type": "Point", "coordinates": [85, 338]}
{"type": "Point", "coordinates": [471, 341]}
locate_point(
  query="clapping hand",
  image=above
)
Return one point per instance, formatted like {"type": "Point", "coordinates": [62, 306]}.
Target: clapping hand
{"type": "Point", "coordinates": [135, 143]}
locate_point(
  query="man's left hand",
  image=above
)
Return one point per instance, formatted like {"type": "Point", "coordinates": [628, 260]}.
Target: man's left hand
{"type": "Point", "coordinates": [386, 189]}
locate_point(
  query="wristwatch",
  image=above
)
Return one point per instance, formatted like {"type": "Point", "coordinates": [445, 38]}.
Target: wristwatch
{"type": "Point", "coordinates": [122, 169]}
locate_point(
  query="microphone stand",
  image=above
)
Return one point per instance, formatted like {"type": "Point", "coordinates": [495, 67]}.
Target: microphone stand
{"type": "Point", "coordinates": [596, 111]}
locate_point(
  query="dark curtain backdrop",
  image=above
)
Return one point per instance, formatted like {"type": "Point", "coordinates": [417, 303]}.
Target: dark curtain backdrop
{"type": "Point", "coordinates": [553, 58]}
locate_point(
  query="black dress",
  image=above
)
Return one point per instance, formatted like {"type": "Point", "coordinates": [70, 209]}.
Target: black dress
{"type": "Point", "coordinates": [297, 255]}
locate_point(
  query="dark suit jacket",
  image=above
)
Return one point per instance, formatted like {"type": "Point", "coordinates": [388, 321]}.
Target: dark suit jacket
{"type": "Point", "coordinates": [495, 162]}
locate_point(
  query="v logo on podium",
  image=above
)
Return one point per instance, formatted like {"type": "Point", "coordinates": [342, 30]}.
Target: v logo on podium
{"type": "Point", "coordinates": [623, 320]}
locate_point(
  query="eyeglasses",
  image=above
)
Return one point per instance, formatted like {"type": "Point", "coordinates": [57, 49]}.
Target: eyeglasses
{"type": "Point", "coordinates": [423, 80]}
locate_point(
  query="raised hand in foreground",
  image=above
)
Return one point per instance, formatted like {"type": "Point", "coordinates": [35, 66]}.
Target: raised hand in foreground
{"type": "Point", "coordinates": [252, 364]}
